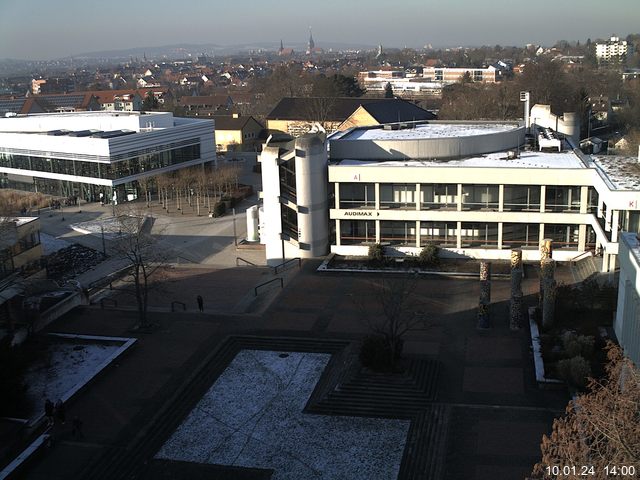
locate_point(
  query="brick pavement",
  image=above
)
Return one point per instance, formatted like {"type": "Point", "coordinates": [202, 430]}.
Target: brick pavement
{"type": "Point", "coordinates": [486, 377]}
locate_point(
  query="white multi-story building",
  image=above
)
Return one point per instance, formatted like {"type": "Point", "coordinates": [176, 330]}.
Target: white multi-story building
{"type": "Point", "coordinates": [470, 187]}
{"type": "Point", "coordinates": [89, 153]}
{"type": "Point", "coordinates": [627, 322]}
{"type": "Point", "coordinates": [613, 50]}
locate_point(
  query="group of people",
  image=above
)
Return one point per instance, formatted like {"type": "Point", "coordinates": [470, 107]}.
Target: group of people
{"type": "Point", "coordinates": [58, 412]}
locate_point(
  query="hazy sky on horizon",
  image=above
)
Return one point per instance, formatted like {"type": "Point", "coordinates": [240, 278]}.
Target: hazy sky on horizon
{"type": "Point", "coordinates": [46, 29]}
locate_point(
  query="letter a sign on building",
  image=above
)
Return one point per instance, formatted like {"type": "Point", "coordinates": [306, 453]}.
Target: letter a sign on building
{"type": "Point", "coordinates": [356, 177]}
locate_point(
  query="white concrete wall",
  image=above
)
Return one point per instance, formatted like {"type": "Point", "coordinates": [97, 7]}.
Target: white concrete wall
{"type": "Point", "coordinates": [568, 124]}
{"type": "Point", "coordinates": [627, 321]}
{"type": "Point", "coordinates": [311, 189]}
{"type": "Point", "coordinates": [427, 148]}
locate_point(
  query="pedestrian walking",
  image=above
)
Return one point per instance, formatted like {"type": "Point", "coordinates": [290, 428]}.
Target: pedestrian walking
{"type": "Point", "coordinates": [61, 411]}
{"type": "Point", "coordinates": [200, 303]}
{"type": "Point", "coordinates": [76, 427]}
{"type": "Point", "coordinates": [48, 411]}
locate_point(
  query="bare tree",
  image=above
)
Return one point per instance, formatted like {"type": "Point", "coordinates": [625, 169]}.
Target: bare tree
{"type": "Point", "coordinates": [400, 311]}
{"type": "Point", "coordinates": [140, 248]}
{"type": "Point", "coordinates": [601, 428]}
{"type": "Point", "coordinates": [146, 184]}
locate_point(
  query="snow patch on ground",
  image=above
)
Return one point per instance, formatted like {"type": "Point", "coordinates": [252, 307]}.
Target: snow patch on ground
{"type": "Point", "coordinates": [64, 367]}
{"type": "Point", "coordinates": [52, 244]}
{"type": "Point", "coordinates": [252, 417]}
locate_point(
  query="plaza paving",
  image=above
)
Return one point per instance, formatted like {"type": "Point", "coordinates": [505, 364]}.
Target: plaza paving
{"type": "Point", "coordinates": [496, 414]}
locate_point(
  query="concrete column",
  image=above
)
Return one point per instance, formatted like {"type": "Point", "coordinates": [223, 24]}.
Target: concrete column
{"type": "Point", "coordinates": [336, 194]}
{"type": "Point", "coordinates": [515, 312]}
{"type": "Point", "coordinates": [499, 235]}
{"type": "Point", "coordinates": [376, 189]}
{"type": "Point", "coordinates": [418, 239]}
{"type": "Point", "coordinates": [607, 220]}
{"type": "Point", "coordinates": [543, 194]}
{"type": "Point", "coordinates": [458, 235]}
{"type": "Point", "coordinates": [501, 198]}
{"type": "Point", "coordinates": [418, 199]}
{"type": "Point", "coordinates": [584, 199]}
{"type": "Point", "coordinates": [338, 233]}
{"type": "Point", "coordinates": [582, 238]}
{"type": "Point", "coordinates": [485, 296]}
{"type": "Point", "coordinates": [605, 262]}
{"type": "Point", "coordinates": [459, 198]}
{"type": "Point", "coordinates": [377, 230]}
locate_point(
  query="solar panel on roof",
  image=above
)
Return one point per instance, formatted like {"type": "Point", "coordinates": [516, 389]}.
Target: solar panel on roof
{"type": "Point", "coordinates": [112, 134]}
{"type": "Point", "coordinates": [83, 133]}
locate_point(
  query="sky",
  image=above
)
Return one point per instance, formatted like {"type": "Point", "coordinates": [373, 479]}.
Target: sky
{"type": "Point", "coordinates": [49, 29]}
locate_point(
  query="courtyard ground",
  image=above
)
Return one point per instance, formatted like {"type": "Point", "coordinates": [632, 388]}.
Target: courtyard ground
{"type": "Point", "coordinates": [486, 381]}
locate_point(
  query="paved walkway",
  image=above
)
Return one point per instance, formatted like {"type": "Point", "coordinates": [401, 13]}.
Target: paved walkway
{"type": "Point", "coordinates": [498, 414]}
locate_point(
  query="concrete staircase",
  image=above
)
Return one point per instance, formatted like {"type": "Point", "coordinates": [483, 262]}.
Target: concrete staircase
{"type": "Point", "coordinates": [584, 268]}
{"type": "Point", "coordinates": [344, 389]}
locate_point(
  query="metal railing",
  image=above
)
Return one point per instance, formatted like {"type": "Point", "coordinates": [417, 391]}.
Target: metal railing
{"type": "Point", "coordinates": [585, 254]}
{"type": "Point", "coordinates": [114, 302]}
{"type": "Point", "coordinates": [255, 290]}
{"type": "Point", "coordinates": [287, 262]}
{"type": "Point", "coordinates": [247, 262]}
{"type": "Point", "coordinates": [175, 302]}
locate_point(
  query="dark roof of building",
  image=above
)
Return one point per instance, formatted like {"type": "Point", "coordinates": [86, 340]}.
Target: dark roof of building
{"type": "Point", "coordinates": [206, 101]}
{"type": "Point", "coordinates": [398, 111]}
{"type": "Point", "coordinates": [384, 110]}
{"type": "Point", "coordinates": [227, 122]}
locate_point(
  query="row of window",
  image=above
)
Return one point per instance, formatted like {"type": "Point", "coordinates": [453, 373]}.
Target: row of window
{"type": "Point", "coordinates": [474, 197]}
{"type": "Point", "coordinates": [109, 171]}
{"type": "Point", "coordinates": [472, 234]}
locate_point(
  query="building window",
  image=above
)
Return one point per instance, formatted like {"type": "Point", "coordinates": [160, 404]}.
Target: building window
{"type": "Point", "coordinates": [480, 197]}
{"type": "Point", "coordinates": [289, 222]}
{"type": "Point", "coordinates": [444, 234]}
{"type": "Point", "coordinates": [357, 232]}
{"type": "Point", "coordinates": [477, 75]}
{"type": "Point", "coordinates": [592, 200]}
{"type": "Point", "coordinates": [476, 235]}
{"type": "Point", "coordinates": [563, 236]}
{"type": "Point", "coordinates": [591, 239]}
{"type": "Point", "coordinates": [401, 195]}
{"type": "Point", "coordinates": [288, 179]}
{"type": "Point", "coordinates": [439, 196]}
{"type": "Point", "coordinates": [357, 195]}
{"type": "Point", "coordinates": [398, 233]}
{"type": "Point", "coordinates": [522, 197]}
{"type": "Point", "coordinates": [562, 199]}
{"type": "Point", "coordinates": [520, 235]}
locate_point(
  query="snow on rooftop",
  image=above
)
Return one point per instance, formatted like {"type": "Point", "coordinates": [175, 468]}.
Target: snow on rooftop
{"type": "Point", "coordinates": [623, 172]}
{"type": "Point", "coordinates": [253, 416]}
{"type": "Point", "coordinates": [527, 159]}
{"type": "Point", "coordinates": [430, 130]}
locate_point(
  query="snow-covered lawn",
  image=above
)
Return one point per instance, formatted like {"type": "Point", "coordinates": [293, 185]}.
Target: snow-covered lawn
{"type": "Point", "coordinates": [252, 417]}
{"type": "Point", "coordinates": [65, 368]}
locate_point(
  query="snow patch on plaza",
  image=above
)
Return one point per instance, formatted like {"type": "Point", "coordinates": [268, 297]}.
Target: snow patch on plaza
{"type": "Point", "coordinates": [252, 417]}
{"type": "Point", "coordinates": [65, 368]}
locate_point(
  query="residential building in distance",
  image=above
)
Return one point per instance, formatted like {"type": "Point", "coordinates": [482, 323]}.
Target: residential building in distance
{"type": "Point", "coordinates": [449, 75]}
{"type": "Point", "coordinates": [68, 102]}
{"type": "Point", "coordinates": [614, 50]}
{"type": "Point", "coordinates": [91, 153]}
{"type": "Point", "coordinates": [296, 115]}
{"type": "Point", "coordinates": [235, 133]}
{"type": "Point", "coordinates": [472, 188]}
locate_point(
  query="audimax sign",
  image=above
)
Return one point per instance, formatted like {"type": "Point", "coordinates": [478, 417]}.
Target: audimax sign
{"type": "Point", "coordinates": [359, 213]}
